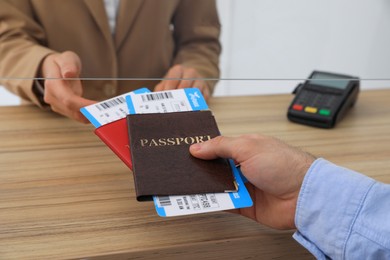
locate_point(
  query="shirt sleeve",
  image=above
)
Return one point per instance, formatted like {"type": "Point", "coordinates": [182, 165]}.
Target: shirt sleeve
{"type": "Point", "coordinates": [342, 214]}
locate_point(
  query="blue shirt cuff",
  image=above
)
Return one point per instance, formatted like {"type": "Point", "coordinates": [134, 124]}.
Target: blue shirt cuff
{"type": "Point", "coordinates": [328, 204]}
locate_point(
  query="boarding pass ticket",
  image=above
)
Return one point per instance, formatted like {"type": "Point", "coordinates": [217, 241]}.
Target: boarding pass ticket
{"type": "Point", "coordinates": [144, 101]}
{"type": "Point", "coordinates": [179, 100]}
{"type": "Point", "coordinates": [109, 110]}
{"type": "Point", "coordinates": [169, 206]}
{"type": "Point", "coordinates": [166, 206]}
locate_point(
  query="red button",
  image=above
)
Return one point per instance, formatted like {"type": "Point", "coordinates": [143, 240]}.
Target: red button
{"type": "Point", "coordinates": [297, 107]}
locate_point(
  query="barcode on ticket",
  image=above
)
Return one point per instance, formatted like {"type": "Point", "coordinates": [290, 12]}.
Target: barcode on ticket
{"type": "Point", "coordinates": [110, 103]}
{"type": "Point", "coordinates": [157, 96]}
{"type": "Point", "coordinates": [109, 110]}
{"type": "Point", "coordinates": [175, 205]}
{"type": "Point", "coordinates": [164, 201]}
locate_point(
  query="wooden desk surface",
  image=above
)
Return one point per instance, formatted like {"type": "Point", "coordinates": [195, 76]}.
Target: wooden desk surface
{"type": "Point", "coordinates": [64, 194]}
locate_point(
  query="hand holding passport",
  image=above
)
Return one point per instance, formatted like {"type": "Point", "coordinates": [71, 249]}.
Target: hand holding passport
{"type": "Point", "coordinates": [155, 145]}
{"type": "Point", "coordinates": [162, 164]}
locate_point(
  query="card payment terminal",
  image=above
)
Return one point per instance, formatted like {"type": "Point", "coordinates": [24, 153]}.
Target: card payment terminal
{"type": "Point", "coordinates": [323, 99]}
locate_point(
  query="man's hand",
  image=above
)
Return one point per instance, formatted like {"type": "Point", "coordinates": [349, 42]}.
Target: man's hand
{"type": "Point", "coordinates": [275, 172]}
{"type": "Point", "coordinates": [182, 77]}
{"type": "Point", "coordinates": [63, 89]}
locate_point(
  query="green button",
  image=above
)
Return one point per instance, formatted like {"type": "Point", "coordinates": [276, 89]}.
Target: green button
{"type": "Point", "coordinates": [324, 112]}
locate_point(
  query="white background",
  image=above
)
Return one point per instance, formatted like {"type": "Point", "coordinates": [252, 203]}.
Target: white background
{"type": "Point", "coordinates": [274, 44]}
{"type": "Point", "coordinates": [284, 39]}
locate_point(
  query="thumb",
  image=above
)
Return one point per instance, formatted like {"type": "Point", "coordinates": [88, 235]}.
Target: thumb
{"type": "Point", "coordinates": [69, 64]}
{"type": "Point", "coordinates": [220, 146]}
{"type": "Point", "coordinates": [76, 102]}
{"type": "Point", "coordinates": [79, 103]}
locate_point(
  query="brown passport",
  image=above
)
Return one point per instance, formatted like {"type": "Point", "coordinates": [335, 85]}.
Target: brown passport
{"type": "Point", "coordinates": [162, 163]}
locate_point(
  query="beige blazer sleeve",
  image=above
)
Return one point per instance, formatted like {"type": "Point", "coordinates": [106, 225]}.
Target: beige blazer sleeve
{"type": "Point", "coordinates": [22, 48]}
{"type": "Point", "coordinates": [150, 37]}
{"type": "Point", "coordinates": [197, 32]}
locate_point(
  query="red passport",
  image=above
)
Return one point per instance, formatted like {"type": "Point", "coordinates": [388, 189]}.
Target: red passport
{"type": "Point", "coordinates": [115, 136]}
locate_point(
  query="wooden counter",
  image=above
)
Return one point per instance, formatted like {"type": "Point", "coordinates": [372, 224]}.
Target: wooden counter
{"type": "Point", "coordinates": [64, 194]}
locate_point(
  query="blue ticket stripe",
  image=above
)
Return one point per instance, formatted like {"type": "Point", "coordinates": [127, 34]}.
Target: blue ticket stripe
{"type": "Point", "coordinates": [196, 99]}
{"type": "Point", "coordinates": [129, 102]}
{"type": "Point", "coordinates": [160, 210]}
{"type": "Point", "coordinates": [141, 91]}
{"type": "Point", "coordinates": [91, 119]}
{"type": "Point", "coordinates": [130, 105]}
{"type": "Point", "coordinates": [242, 198]}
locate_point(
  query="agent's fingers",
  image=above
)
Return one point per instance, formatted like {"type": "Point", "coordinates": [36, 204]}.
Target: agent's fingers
{"type": "Point", "coordinates": [189, 77]}
{"type": "Point", "coordinates": [74, 108]}
{"type": "Point", "coordinates": [70, 107]}
{"type": "Point", "coordinates": [204, 88]}
{"type": "Point", "coordinates": [171, 79]}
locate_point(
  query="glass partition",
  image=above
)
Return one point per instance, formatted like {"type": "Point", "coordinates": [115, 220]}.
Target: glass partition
{"type": "Point", "coordinates": [282, 40]}
{"type": "Point", "coordinates": [245, 47]}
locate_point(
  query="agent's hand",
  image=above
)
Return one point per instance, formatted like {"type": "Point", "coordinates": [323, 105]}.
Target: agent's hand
{"type": "Point", "coordinates": [63, 89]}
{"type": "Point", "coordinates": [275, 172]}
{"type": "Point", "coordinates": [178, 75]}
